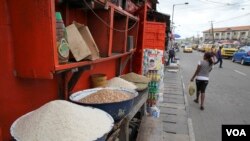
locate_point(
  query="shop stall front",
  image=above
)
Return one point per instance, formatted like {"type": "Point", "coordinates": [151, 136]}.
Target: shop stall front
{"type": "Point", "coordinates": [51, 49]}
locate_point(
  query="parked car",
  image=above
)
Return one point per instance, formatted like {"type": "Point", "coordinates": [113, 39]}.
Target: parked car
{"type": "Point", "coordinates": [242, 55]}
{"type": "Point", "coordinates": [184, 44]}
{"type": "Point", "coordinates": [208, 47]}
{"type": "Point", "coordinates": [228, 50]}
{"type": "Point", "coordinates": [188, 49]}
{"type": "Point", "coordinates": [195, 46]}
{"type": "Point", "coordinates": [202, 48]}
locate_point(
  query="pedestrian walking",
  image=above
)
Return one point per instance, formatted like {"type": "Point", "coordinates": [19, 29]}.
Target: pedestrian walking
{"type": "Point", "coordinates": [202, 77]}
{"type": "Point", "coordinates": [171, 55]}
{"type": "Point", "coordinates": [219, 57]}
{"type": "Point", "coordinates": [213, 53]}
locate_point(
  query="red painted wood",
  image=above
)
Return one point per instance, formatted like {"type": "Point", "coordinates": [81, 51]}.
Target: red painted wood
{"type": "Point", "coordinates": [85, 63]}
{"type": "Point", "coordinates": [117, 9]}
{"type": "Point", "coordinates": [138, 57]}
{"type": "Point", "coordinates": [1, 137]}
{"type": "Point", "coordinates": [33, 30]}
{"type": "Point", "coordinates": [100, 31]}
{"type": "Point", "coordinates": [134, 31]}
{"type": "Point", "coordinates": [108, 68]}
{"type": "Point", "coordinates": [27, 41]}
{"type": "Point", "coordinates": [119, 37]}
{"type": "Point", "coordinates": [111, 31]}
{"type": "Point", "coordinates": [126, 34]}
{"type": "Point", "coordinates": [18, 96]}
{"type": "Point", "coordinates": [155, 35]}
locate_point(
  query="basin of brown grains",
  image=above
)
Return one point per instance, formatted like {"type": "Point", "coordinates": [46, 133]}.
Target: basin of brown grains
{"type": "Point", "coordinates": [106, 96]}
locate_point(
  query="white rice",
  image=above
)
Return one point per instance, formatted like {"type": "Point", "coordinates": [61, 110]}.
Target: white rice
{"type": "Point", "coordinates": [60, 120]}
{"type": "Point", "coordinates": [118, 82]}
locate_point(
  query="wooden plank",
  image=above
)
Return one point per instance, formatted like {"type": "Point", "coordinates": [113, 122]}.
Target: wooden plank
{"type": "Point", "coordinates": [114, 135]}
{"type": "Point", "coordinates": [150, 129]}
{"type": "Point", "coordinates": [1, 138]}
{"type": "Point", "coordinates": [137, 107]}
{"type": "Point", "coordinates": [124, 134]}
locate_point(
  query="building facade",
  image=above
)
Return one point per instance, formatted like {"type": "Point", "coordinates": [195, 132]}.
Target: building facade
{"type": "Point", "coordinates": [237, 33]}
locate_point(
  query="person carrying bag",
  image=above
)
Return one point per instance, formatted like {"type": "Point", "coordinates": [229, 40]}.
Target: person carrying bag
{"type": "Point", "coordinates": [202, 77]}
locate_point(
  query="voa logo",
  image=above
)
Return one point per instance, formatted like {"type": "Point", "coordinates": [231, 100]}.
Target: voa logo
{"type": "Point", "coordinates": [236, 132]}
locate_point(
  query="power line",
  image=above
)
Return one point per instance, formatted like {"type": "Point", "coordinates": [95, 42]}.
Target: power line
{"type": "Point", "coordinates": [218, 2]}
{"type": "Point", "coordinates": [233, 18]}
{"type": "Point", "coordinates": [216, 7]}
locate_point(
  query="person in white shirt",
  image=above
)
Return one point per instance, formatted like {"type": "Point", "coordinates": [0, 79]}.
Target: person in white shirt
{"type": "Point", "coordinates": [202, 77]}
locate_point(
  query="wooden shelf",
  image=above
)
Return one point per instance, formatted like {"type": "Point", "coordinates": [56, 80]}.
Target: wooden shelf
{"type": "Point", "coordinates": [39, 59]}
{"type": "Point", "coordinates": [85, 63]}
{"type": "Point", "coordinates": [119, 10]}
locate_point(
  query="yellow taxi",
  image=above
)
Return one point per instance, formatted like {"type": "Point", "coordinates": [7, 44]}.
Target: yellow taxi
{"type": "Point", "coordinates": [202, 48]}
{"type": "Point", "coordinates": [188, 49]}
{"type": "Point", "coordinates": [228, 50]}
{"type": "Point", "coordinates": [195, 46]}
{"type": "Point", "coordinates": [208, 47]}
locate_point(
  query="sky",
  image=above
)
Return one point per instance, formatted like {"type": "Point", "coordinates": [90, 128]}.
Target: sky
{"type": "Point", "coordinates": [191, 19]}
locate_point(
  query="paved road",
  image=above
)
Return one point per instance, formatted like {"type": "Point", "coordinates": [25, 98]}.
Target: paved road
{"type": "Point", "coordinates": [227, 97]}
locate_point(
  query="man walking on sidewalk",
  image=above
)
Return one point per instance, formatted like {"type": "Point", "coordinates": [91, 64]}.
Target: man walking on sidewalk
{"type": "Point", "coordinates": [219, 57]}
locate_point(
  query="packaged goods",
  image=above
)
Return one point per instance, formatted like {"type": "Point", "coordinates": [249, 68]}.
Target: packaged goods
{"type": "Point", "coordinates": [90, 42]}
{"type": "Point", "coordinates": [155, 112]}
{"type": "Point", "coordinates": [77, 44]}
{"type": "Point", "coordinates": [191, 88]}
{"type": "Point", "coordinates": [61, 37]}
{"type": "Point", "coordinates": [60, 120]}
{"type": "Point", "coordinates": [133, 77]}
{"type": "Point", "coordinates": [106, 96]}
{"type": "Point", "coordinates": [120, 83]}
{"type": "Point", "coordinates": [141, 86]}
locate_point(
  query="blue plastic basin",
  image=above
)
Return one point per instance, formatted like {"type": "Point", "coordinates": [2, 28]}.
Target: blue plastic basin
{"type": "Point", "coordinates": [116, 109]}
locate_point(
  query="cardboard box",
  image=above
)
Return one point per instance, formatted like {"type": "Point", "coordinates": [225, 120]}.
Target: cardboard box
{"type": "Point", "coordinates": [77, 44]}
{"type": "Point", "coordinates": [88, 38]}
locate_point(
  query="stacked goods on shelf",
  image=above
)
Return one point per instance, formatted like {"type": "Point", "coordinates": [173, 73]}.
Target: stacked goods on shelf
{"type": "Point", "coordinates": [153, 69]}
{"type": "Point", "coordinates": [140, 81]}
{"type": "Point", "coordinates": [87, 36]}
{"type": "Point", "coordinates": [120, 83]}
{"type": "Point", "coordinates": [61, 37]}
{"type": "Point", "coordinates": [77, 44]}
{"type": "Point", "coordinates": [81, 42]}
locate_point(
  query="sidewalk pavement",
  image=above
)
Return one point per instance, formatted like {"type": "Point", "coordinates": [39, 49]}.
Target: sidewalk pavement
{"type": "Point", "coordinates": [177, 126]}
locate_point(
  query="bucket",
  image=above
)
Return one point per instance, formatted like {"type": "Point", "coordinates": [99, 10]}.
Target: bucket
{"type": "Point", "coordinates": [98, 80]}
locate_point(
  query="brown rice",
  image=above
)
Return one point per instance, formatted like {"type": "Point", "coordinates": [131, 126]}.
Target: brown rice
{"type": "Point", "coordinates": [106, 96]}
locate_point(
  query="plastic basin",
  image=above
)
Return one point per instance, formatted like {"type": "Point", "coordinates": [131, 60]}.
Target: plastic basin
{"type": "Point", "coordinates": [116, 109]}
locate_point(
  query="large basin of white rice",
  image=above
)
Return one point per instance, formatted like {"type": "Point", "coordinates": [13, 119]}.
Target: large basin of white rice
{"type": "Point", "coordinates": [61, 120]}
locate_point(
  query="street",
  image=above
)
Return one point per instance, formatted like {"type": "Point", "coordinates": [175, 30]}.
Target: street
{"type": "Point", "coordinates": [227, 98]}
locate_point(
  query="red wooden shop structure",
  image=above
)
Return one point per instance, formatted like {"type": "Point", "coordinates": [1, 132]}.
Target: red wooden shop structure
{"type": "Point", "coordinates": [31, 74]}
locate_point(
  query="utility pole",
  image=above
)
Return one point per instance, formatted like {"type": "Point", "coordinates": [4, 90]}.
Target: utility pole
{"type": "Point", "coordinates": [212, 28]}
{"type": "Point", "coordinates": [198, 38]}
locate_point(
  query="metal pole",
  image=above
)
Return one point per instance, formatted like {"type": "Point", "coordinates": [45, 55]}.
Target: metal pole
{"type": "Point", "coordinates": [186, 3]}
{"type": "Point", "coordinates": [173, 17]}
{"type": "Point", "coordinates": [212, 28]}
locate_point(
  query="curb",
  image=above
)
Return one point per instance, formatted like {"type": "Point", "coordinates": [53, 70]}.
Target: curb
{"type": "Point", "coordinates": [190, 123]}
